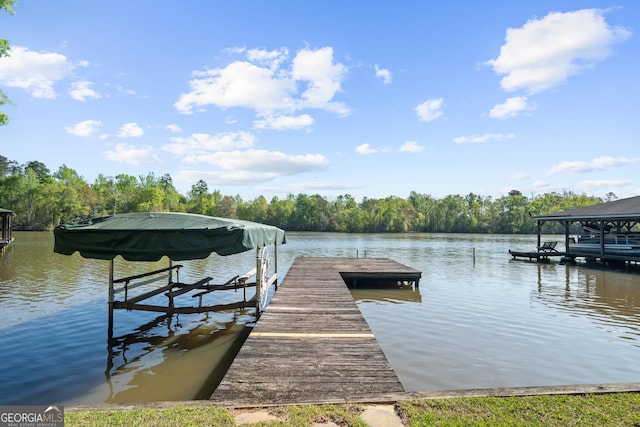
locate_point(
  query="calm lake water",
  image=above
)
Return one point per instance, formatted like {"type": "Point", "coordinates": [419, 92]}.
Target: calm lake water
{"type": "Point", "coordinates": [475, 321]}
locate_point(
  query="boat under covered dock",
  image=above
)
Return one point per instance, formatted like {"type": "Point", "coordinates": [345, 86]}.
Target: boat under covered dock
{"type": "Point", "coordinates": [613, 234]}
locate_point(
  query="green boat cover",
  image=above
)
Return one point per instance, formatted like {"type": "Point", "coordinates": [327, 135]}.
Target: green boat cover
{"type": "Point", "coordinates": [148, 236]}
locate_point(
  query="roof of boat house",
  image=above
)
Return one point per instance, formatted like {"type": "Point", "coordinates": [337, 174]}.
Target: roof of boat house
{"type": "Point", "coordinates": [616, 210]}
{"type": "Point", "coordinates": [5, 211]}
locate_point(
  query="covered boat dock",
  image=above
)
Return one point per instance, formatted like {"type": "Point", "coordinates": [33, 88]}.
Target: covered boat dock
{"type": "Point", "coordinates": [7, 234]}
{"type": "Point", "coordinates": [151, 236]}
{"type": "Point", "coordinates": [606, 222]}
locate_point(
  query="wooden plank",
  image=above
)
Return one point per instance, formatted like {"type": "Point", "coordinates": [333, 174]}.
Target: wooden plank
{"type": "Point", "coordinates": [312, 344]}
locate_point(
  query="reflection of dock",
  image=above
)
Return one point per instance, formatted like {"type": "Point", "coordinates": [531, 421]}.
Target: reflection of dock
{"type": "Point", "coordinates": [312, 343]}
{"type": "Point", "coordinates": [166, 351]}
{"type": "Point", "coordinates": [395, 294]}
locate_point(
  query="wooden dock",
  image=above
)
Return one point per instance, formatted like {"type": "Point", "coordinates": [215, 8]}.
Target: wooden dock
{"type": "Point", "coordinates": [6, 236]}
{"type": "Point", "coordinates": [538, 256]}
{"type": "Point", "coordinates": [312, 345]}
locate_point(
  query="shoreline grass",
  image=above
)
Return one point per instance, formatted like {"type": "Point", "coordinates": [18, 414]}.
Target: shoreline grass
{"type": "Point", "coordinates": [606, 409]}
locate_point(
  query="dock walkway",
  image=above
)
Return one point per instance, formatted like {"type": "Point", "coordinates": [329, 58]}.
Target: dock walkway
{"type": "Point", "coordinates": [312, 345]}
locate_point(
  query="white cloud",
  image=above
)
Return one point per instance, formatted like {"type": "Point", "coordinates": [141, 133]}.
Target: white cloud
{"type": "Point", "coordinates": [591, 185]}
{"type": "Point", "coordinates": [127, 153]}
{"type": "Point", "coordinates": [365, 149]}
{"type": "Point", "coordinates": [35, 72]}
{"type": "Point", "coordinates": [411, 147]}
{"type": "Point", "coordinates": [252, 166]}
{"type": "Point", "coordinates": [384, 74]}
{"type": "Point", "coordinates": [173, 128]}
{"type": "Point", "coordinates": [545, 52]}
{"type": "Point", "coordinates": [236, 160]}
{"type": "Point", "coordinates": [130, 130]}
{"type": "Point", "coordinates": [271, 58]}
{"type": "Point", "coordinates": [81, 90]}
{"type": "Point", "coordinates": [520, 176]}
{"type": "Point", "coordinates": [284, 122]}
{"type": "Point", "coordinates": [323, 78]}
{"type": "Point", "coordinates": [203, 143]}
{"type": "Point", "coordinates": [220, 177]}
{"type": "Point", "coordinates": [239, 84]}
{"type": "Point", "coordinates": [311, 81]}
{"type": "Point", "coordinates": [430, 110]}
{"type": "Point", "coordinates": [327, 186]}
{"type": "Point", "coordinates": [85, 128]}
{"type": "Point", "coordinates": [599, 163]}
{"type": "Point", "coordinates": [481, 139]}
{"type": "Point", "coordinates": [510, 108]}
{"type": "Point", "coordinates": [541, 185]}
{"type": "Point", "coordinates": [263, 161]}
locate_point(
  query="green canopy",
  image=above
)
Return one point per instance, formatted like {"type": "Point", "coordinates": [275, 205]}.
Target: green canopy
{"type": "Point", "coordinates": [150, 236]}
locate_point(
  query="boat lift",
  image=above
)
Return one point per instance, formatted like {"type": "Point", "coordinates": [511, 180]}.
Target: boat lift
{"type": "Point", "coordinates": [177, 236]}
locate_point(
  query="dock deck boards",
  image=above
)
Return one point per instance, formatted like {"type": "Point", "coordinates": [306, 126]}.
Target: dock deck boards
{"type": "Point", "coordinates": [539, 256]}
{"type": "Point", "coordinates": [312, 344]}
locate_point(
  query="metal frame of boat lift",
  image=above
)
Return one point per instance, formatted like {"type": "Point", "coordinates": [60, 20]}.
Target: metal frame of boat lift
{"type": "Point", "coordinates": [173, 289]}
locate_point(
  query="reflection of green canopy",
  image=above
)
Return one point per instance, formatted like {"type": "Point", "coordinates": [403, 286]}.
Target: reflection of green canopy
{"type": "Point", "coordinates": [150, 236]}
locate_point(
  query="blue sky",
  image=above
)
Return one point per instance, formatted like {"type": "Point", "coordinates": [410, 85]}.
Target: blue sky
{"type": "Point", "coordinates": [368, 98]}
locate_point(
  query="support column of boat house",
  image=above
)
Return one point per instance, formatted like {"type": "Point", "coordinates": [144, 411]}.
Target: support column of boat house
{"type": "Point", "coordinates": [7, 233]}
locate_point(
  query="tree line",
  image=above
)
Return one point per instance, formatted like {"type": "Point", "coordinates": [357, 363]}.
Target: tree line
{"type": "Point", "coordinates": [42, 200]}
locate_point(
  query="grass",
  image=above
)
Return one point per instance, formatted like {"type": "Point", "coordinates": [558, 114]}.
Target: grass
{"type": "Point", "coordinates": [609, 409]}
{"type": "Point", "coordinates": [615, 409]}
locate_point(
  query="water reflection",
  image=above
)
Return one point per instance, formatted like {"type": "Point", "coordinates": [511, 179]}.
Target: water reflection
{"type": "Point", "coordinates": [400, 293]}
{"type": "Point", "coordinates": [611, 298]}
{"type": "Point", "coordinates": [160, 360]}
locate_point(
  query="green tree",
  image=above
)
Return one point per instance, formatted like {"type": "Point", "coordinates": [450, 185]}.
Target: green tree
{"type": "Point", "coordinates": [172, 200]}
{"type": "Point", "coordinates": [105, 191]}
{"type": "Point", "coordinates": [515, 215]}
{"type": "Point", "coordinates": [228, 207]}
{"type": "Point", "coordinates": [42, 171]}
{"type": "Point", "coordinates": [29, 189]}
{"type": "Point", "coordinates": [148, 196]}
{"type": "Point", "coordinates": [7, 167]}
{"type": "Point", "coordinates": [5, 48]}
{"type": "Point", "coordinates": [126, 186]}
{"type": "Point", "coordinates": [10, 191]}
{"type": "Point", "coordinates": [423, 205]}
{"type": "Point", "coordinates": [74, 196]}
{"type": "Point", "coordinates": [198, 200]}
{"type": "Point", "coordinates": [280, 212]}
{"type": "Point", "coordinates": [348, 216]}
{"type": "Point", "coordinates": [309, 213]}
{"type": "Point", "coordinates": [394, 214]}
{"type": "Point", "coordinates": [256, 211]}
